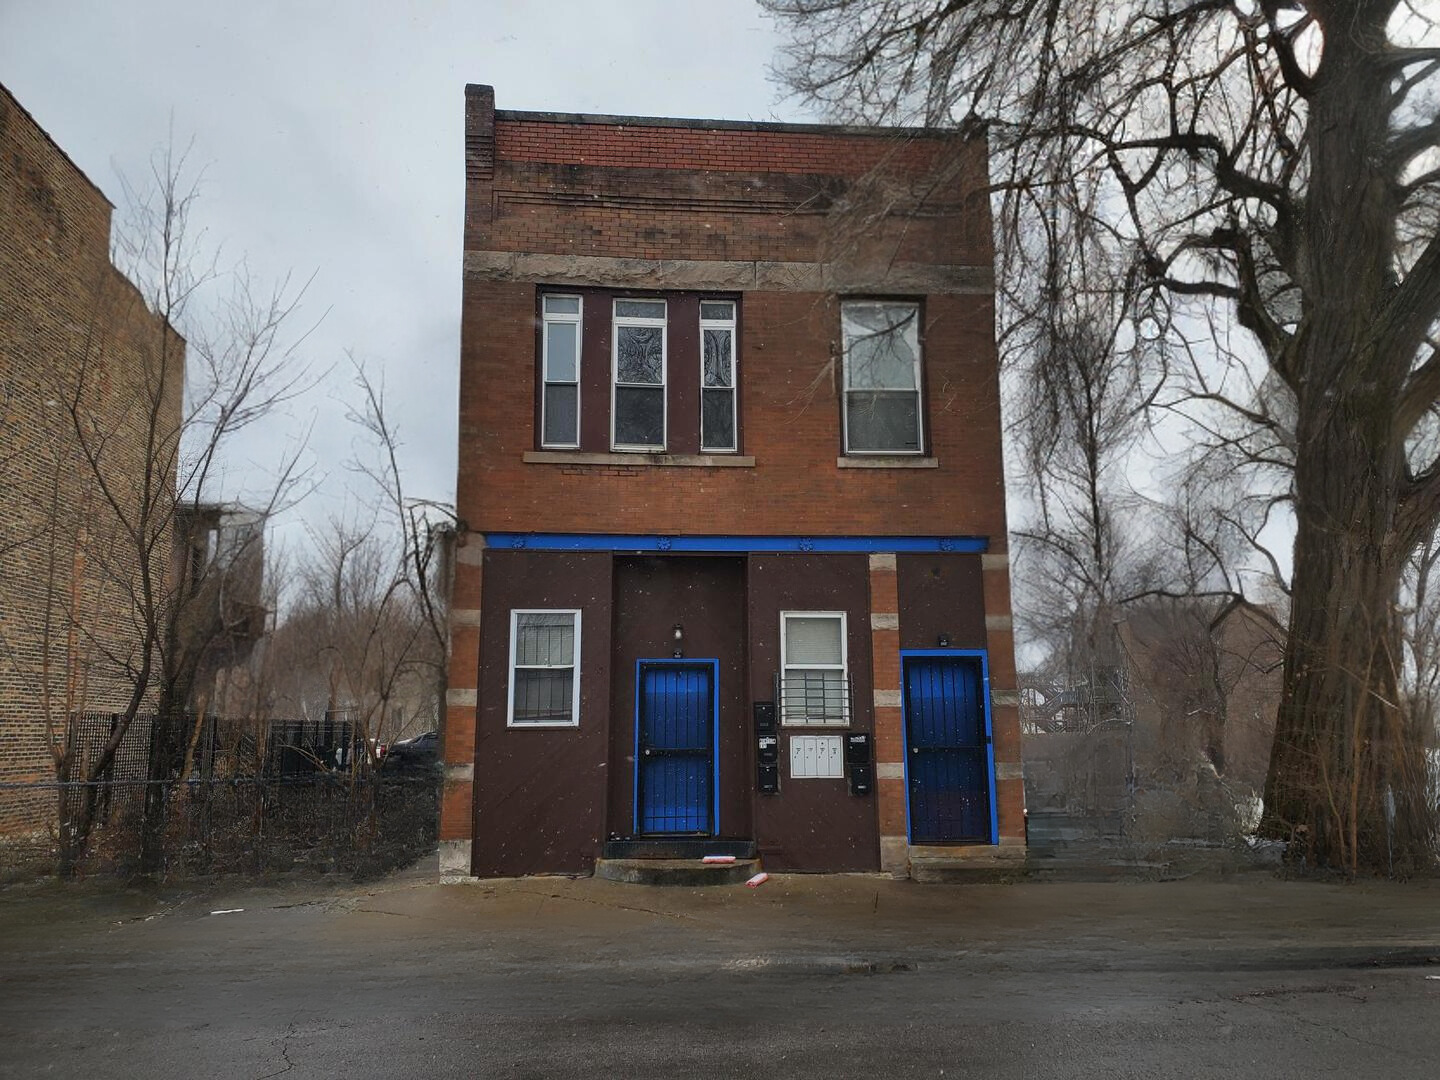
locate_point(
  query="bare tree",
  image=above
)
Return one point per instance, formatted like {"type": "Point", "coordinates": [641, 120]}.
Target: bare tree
{"type": "Point", "coordinates": [143, 425]}
{"type": "Point", "coordinates": [367, 633]}
{"type": "Point", "coordinates": [1271, 166]}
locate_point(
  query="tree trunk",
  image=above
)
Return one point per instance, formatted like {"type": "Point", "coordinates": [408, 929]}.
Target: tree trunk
{"type": "Point", "coordinates": [1342, 738]}
{"type": "Point", "coordinates": [167, 752]}
{"type": "Point", "coordinates": [1345, 751]}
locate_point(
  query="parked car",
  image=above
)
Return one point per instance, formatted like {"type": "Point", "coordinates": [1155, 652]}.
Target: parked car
{"type": "Point", "coordinates": [422, 749]}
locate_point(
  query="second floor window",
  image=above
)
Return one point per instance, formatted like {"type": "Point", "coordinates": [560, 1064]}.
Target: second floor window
{"type": "Point", "coordinates": [560, 348]}
{"type": "Point", "coordinates": [717, 376]}
{"type": "Point", "coordinates": [882, 377]}
{"type": "Point", "coordinates": [638, 399]}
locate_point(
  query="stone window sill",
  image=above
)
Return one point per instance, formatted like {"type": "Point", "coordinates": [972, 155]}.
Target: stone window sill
{"type": "Point", "coordinates": [575, 457]}
{"type": "Point", "coordinates": [885, 461]}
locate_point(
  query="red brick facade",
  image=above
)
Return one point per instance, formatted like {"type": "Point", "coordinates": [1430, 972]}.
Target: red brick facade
{"type": "Point", "coordinates": [784, 220]}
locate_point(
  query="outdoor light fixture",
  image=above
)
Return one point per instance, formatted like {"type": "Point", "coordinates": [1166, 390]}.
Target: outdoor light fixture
{"type": "Point", "coordinates": [943, 641]}
{"type": "Point", "coordinates": [679, 635]}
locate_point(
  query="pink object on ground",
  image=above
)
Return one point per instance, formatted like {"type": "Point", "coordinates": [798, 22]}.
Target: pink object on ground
{"type": "Point", "coordinates": [758, 880]}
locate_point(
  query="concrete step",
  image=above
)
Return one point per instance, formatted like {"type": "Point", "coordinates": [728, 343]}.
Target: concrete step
{"type": "Point", "coordinates": [687, 872]}
{"type": "Point", "coordinates": [677, 847]}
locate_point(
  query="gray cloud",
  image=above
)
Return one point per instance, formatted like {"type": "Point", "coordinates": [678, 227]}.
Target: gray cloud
{"type": "Point", "coordinates": [331, 135]}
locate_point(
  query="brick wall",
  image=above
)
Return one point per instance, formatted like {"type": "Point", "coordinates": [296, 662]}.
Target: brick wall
{"type": "Point", "coordinates": [661, 190]}
{"type": "Point", "coordinates": [72, 329]}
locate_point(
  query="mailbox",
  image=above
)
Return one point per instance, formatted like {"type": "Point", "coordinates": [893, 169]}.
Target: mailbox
{"type": "Point", "coordinates": [858, 758]}
{"type": "Point", "coordinates": [767, 750]}
{"type": "Point", "coordinates": [764, 718]}
{"type": "Point", "coordinates": [862, 779]}
{"type": "Point", "coordinates": [857, 748]}
{"type": "Point", "coordinates": [768, 779]}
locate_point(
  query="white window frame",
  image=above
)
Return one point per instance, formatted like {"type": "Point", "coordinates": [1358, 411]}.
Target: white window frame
{"type": "Point", "coordinates": [843, 667]}
{"type": "Point", "coordinates": [574, 722]}
{"type": "Point", "coordinates": [616, 322]}
{"type": "Point", "coordinates": [547, 317]}
{"type": "Point", "coordinates": [734, 387]}
{"type": "Point", "coordinates": [919, 391]}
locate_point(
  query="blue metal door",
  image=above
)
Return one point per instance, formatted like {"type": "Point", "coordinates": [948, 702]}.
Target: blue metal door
{"type": "Point", "coordinates": [948, 756]}
{"type": "Point", "coordinates": [675, 747]}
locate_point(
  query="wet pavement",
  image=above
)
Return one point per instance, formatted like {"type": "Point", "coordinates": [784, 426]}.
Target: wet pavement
{"type": "Point", "coordinates": [803, 977]}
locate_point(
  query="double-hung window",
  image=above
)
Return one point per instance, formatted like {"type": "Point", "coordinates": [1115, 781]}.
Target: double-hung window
{"type": "Point", "coordinates": [814, 688]}
{"type": "Point", "coordinates": [717, 376]}
{"type": "Point", "coordinates": [637, 414]}
{"type": "Point", "coordinates": [560, 359]}
{"type": "Point", "coordinates": [882, 377]}
{"type": "Point", "coordinates": [544, 669]}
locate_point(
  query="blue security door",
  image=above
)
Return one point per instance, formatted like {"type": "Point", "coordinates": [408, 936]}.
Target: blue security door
{"type": "Point", "coordinates": [675, 747]}
{"type": "Point", "coordinates": [948, 759]}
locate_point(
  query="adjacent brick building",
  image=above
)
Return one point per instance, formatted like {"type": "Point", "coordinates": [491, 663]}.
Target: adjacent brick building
{"type": "Point", "coordinates": [75, 340]}
{"type": "Point", "coordinates": [733, 558]}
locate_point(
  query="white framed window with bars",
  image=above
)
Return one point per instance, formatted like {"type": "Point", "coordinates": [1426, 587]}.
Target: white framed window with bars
{"type": "Point", "coordinates": [638, 407]}
{"type": "Point", "coordinates": [814, 677]}
{"type": "Point", "coordinates": [560, 322]}
{"type": "Point", "coordinates": [719, 419]}
{"type": "Point", "coordinates": [544, 669]}
{"type": "Point", "coordinates": [883, 413]}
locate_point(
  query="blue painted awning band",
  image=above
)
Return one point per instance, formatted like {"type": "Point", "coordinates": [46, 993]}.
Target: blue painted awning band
{"type": "Point", "coordinates": [510, 541]}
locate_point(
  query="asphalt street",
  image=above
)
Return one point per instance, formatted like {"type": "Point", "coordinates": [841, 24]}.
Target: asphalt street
{"type": "Point", "coordinates": [803, 977]}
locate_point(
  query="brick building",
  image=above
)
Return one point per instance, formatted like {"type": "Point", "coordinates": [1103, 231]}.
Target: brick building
{"type": "Point", "coordinates": [76, 340]}
{"type": "Point", "coordinates": [733, 567]}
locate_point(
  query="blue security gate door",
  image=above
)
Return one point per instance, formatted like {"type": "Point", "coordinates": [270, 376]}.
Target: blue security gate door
{"type": "Point", "coordinates": [949, 764]}
{"type": "Point", "coordinates": [676, 747]}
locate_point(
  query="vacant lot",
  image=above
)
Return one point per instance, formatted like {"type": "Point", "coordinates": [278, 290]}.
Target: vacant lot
{"type": "Point", "coordinates": [808, 977]}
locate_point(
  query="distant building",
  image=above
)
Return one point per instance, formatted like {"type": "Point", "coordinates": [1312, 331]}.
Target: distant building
{"type": "Point", "coordinates": [221, 558]}
{"type": "Point", "coordinates": [735, 572]}
{"type": "Point", "coordinates": [75, 340]}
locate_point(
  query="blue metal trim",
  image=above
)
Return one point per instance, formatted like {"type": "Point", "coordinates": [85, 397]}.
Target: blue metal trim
{"type": "Point", "coordinates": [825, 545]}
{"type": "Point", "coordinates": [715, 727]}
{"type": "Point", "coordinates": [984, 655]}
{"type": "Point", "coordinates": [635, 760]}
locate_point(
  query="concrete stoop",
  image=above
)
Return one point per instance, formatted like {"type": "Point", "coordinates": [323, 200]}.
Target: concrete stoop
{"type": "Point", "coordinates": [980, 864]}
{"type": "Point", "coordinates": [685, 872]}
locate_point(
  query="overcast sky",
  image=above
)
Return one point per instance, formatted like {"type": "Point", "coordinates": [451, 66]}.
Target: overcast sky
{"type": "Point", "coordinates": [332, 139]}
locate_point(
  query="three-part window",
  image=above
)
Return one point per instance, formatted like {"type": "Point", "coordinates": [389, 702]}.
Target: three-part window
{"type": "Point", "coordinates": [672, 384]}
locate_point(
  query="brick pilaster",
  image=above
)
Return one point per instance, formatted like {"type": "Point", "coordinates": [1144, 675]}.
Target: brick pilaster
{"type": "Point", "coordinates": [457, 822]}
{"type": "Point", "coordinates": [889, 758]}
{"type": "Point", "coordinates": [1004, 699]}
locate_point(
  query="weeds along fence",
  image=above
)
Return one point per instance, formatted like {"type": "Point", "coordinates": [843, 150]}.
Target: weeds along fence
{"type": "Point", "coordinates": [276, 797]}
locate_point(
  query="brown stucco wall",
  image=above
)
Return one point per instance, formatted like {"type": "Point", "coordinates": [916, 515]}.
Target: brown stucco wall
{"type": "Point", "coordinates": [539, 795]}
{"type": "Point", "coordinates": [812, 824]}
{"type": "Point", "coordinates": [706, 596]}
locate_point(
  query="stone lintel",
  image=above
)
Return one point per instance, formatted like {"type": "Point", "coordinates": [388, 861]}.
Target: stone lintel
{"type": "Point", "coordinates": [725, 275]}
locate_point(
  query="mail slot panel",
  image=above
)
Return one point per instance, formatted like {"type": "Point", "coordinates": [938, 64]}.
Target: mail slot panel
{"type": "Point", "coordinates": [857, 748]}
{"type": "Point", "coordinates": [767, 750]}
{"type": "Point", "coordinates": [862, 779]}
{"type": "Point", "coordinates": [764, 717]}
{"type": "Point", "coordinates": [768, 779]}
